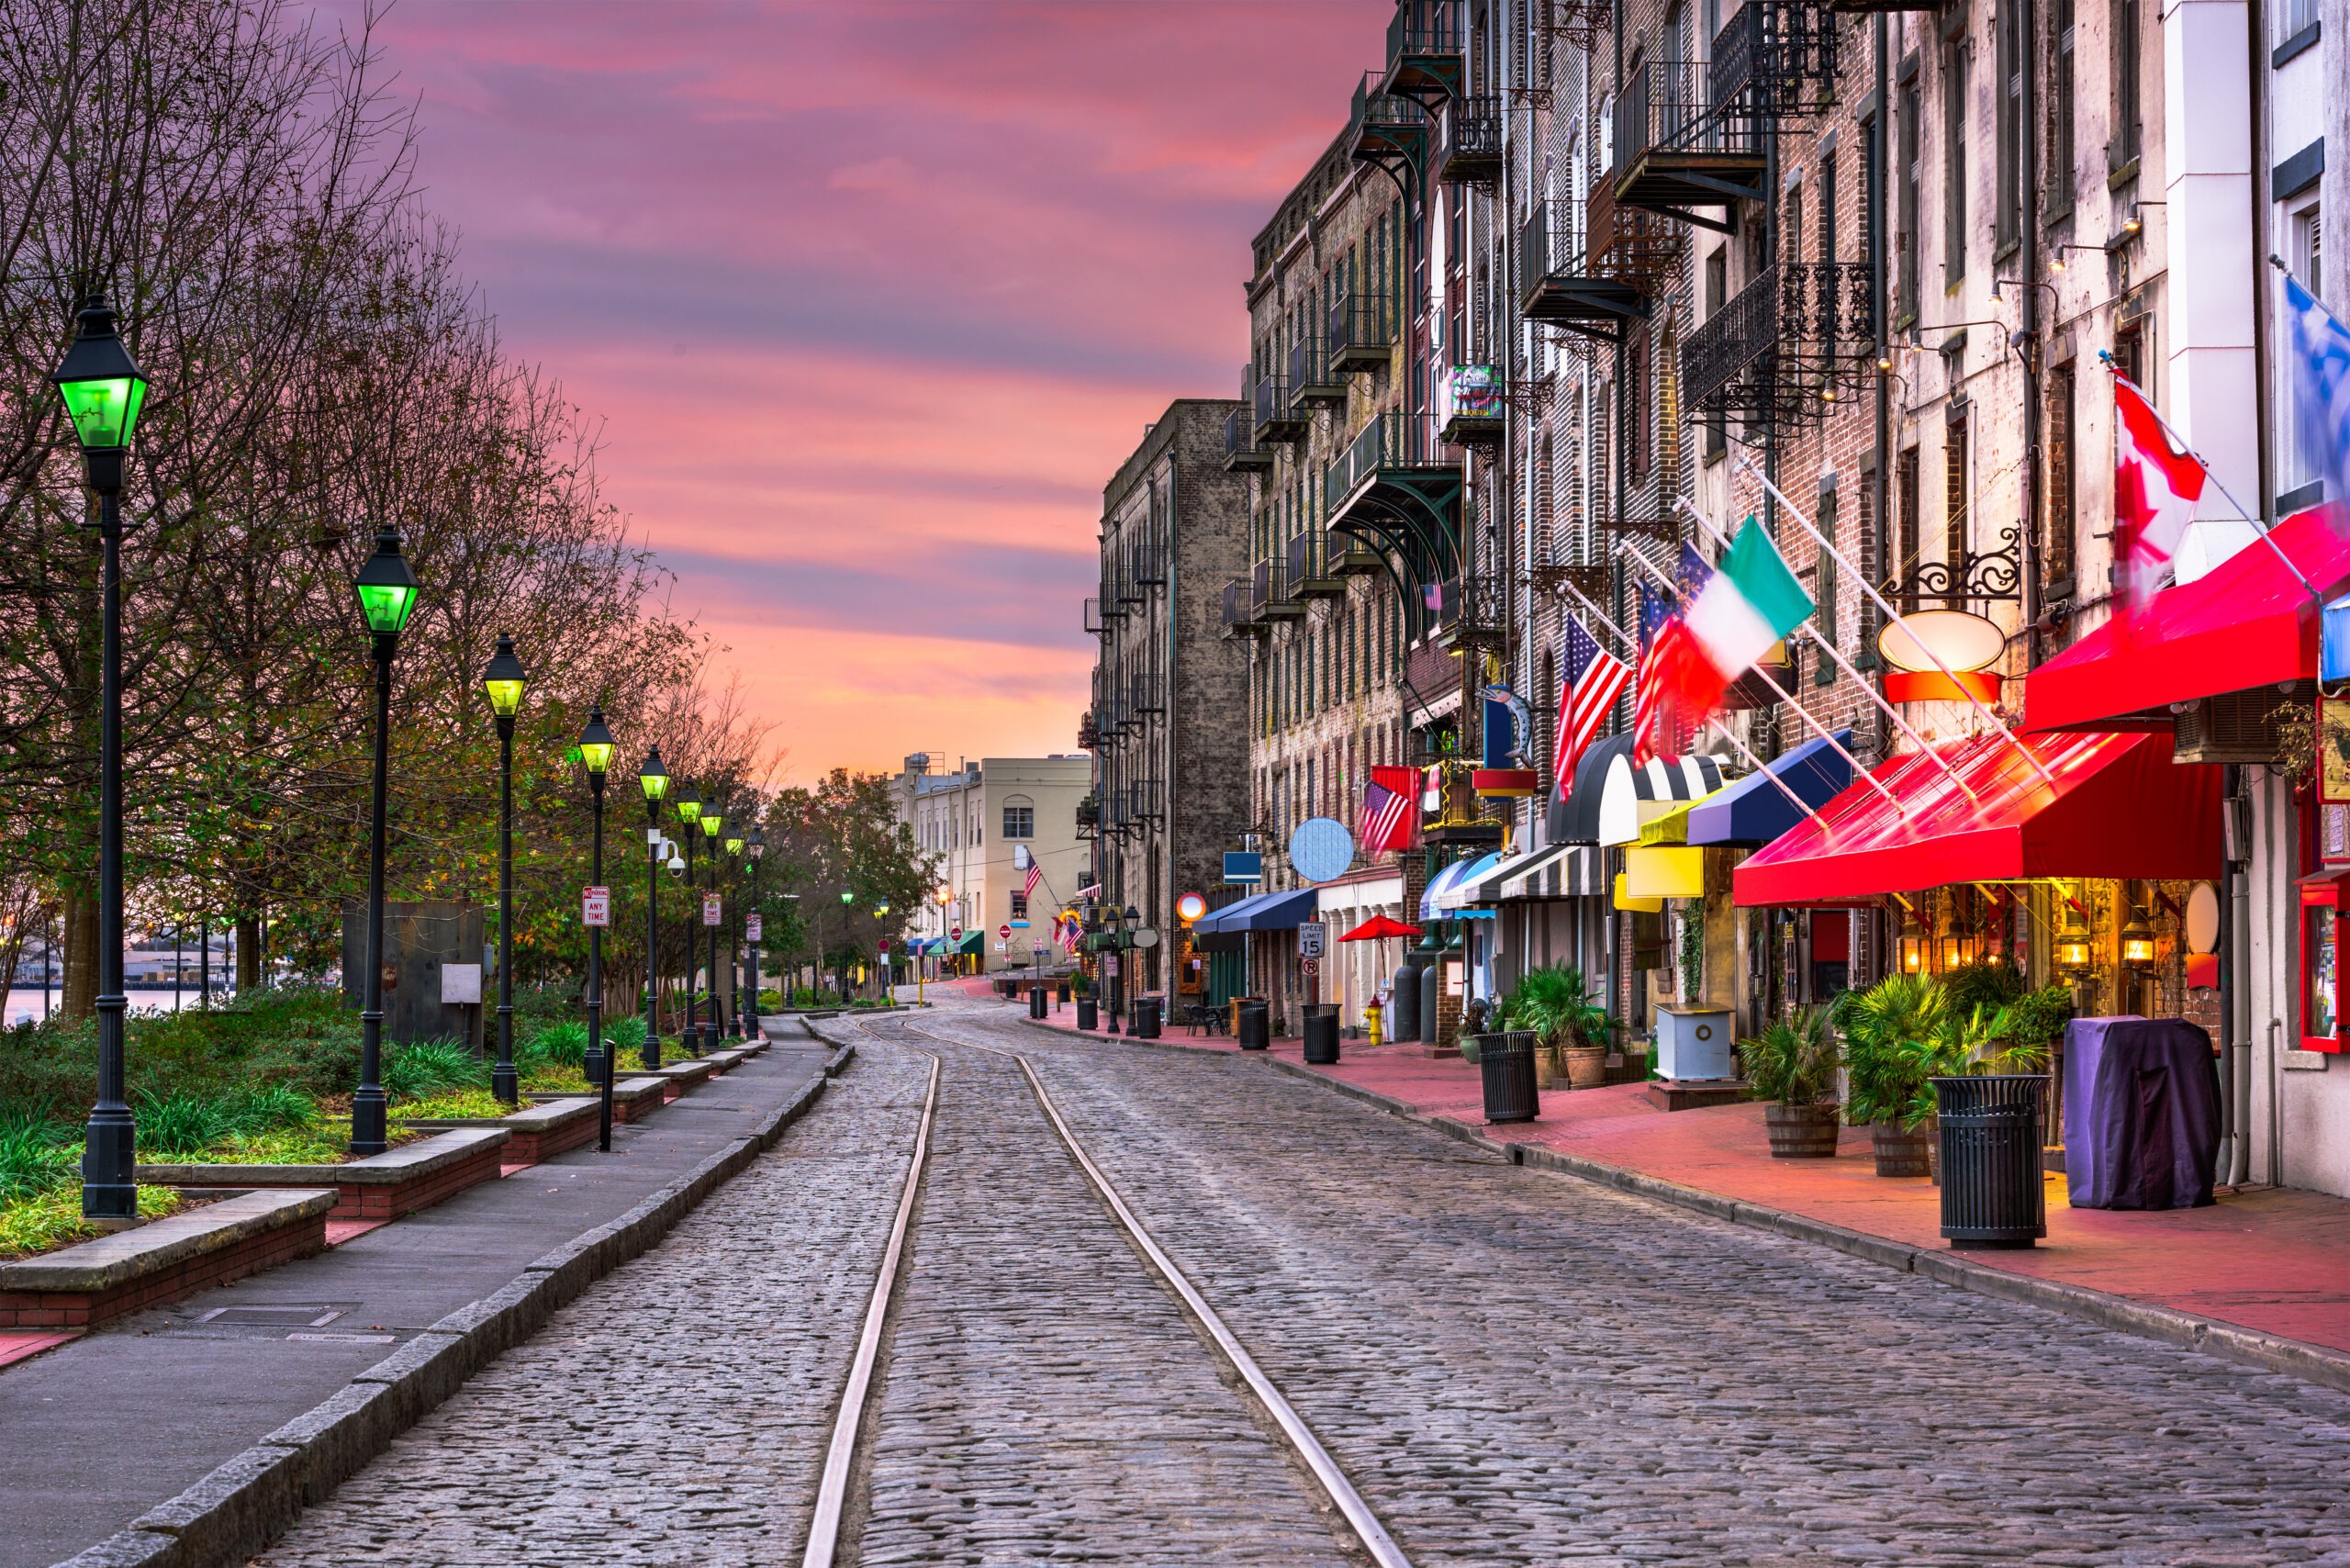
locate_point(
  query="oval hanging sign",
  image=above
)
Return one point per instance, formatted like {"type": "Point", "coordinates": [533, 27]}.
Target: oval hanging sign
{"type": "Point", "coordinates": [1191, 906]}
{"type": "Point", "coordinates": [1962, 641]}
{"type": "Point", "coordinates": [1321, 849]}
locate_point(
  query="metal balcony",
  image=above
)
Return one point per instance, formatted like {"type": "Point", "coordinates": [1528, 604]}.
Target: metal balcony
{"type": "Point", "coordinates": [1241, 453]}
{"type": "Point", "coordinates": [1472, 612]}
{"type": "Point", "coordinates": [1776, 58]}
{"type": "Point", "coordinates": [1146, 692]}
{"type": "Point", "coordinates": [1089, 731]}
{"type": "Point", "coordinates": [1240, 612]}
{"type": "Point", "coordinates": [1472, 406]}
{"type": "Point", "coordinates": [1092, 617]}
{"type": "Point", "coordinates": [1389, 130]}
{"type": "Point", "coordinates": [1390, 445]}
{"type": "Point", "coordinates": [1272, 595]}
{"type": "Point", "coordinates": [1785, 346]}
{"type": "Point", "coordinates": [1277, 419]}
{"type": "Point", "coordinates": [1311, 379]}
{"type": "Point", "coordinates": [1677, 149]}
{"type": "Point", "coordinates": [1349, 556]}
{"type": "Point", "coordinates": [1310, 575]}
{"type": "Point", "coordinates": [1426, 49]}
{"type": "Point", "coordinates": [1469, 140]}
{"type": "Point", "coordinates": [1595, 276]}
{"type": "Point", "coordinates": [1112, 605]}
{"type": "Point", "coordinates": [1362, 332]}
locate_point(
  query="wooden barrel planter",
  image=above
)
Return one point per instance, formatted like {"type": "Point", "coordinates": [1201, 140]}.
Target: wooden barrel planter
{"type": "Point", "coordinates": [1586, 1066]}
{"type": "Point", "coordinates": [1902, 1153]}
{"type": "Point", "coordinates": [1802, 1132]}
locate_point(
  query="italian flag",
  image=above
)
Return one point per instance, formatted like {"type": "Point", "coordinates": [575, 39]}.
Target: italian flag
{"type": "Point", "coordinates": [1749, 602]}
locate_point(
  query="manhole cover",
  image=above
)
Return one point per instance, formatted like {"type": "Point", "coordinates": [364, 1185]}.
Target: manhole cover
{"type": "Point", "coordinates": [289, 1315]}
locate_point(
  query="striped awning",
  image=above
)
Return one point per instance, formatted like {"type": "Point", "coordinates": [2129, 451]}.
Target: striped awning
{"type": "Point", "coordinates": [1562, 871]}
{"type": "Point", "coordinates": [1451, 897]}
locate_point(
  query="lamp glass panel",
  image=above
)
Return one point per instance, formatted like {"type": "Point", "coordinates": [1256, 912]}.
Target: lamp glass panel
{"type": "Point", "coordinates": [596, 755]}
{"type": "Point", "coordinates": [104, 411]}
{"type": "Point", "coordinates": [655, 784]}
{"type": "Point", "coordinates": [689, 809]}
{"type": "Point", "coordinates": [505, 697]}
{"type": "Point", "coordinates": [710, 822]}
{"type": "Point", "coordinates": [386, 605]}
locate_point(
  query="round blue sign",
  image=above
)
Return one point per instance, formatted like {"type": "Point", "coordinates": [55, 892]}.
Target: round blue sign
{"type": "Point", "coordinates": [1321, 849]}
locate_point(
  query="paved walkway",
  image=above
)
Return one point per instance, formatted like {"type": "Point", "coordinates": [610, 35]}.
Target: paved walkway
{"type": "Point", "coordinates": [2273, 1259]}
{"type": "Point", "coordinates": [133, 1414]}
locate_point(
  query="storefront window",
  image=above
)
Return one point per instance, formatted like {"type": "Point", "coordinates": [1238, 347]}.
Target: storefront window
{"type": "Point", "coordinates": [2324, 1017]}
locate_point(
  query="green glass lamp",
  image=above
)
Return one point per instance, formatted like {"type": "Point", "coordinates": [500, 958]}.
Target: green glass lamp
{"type": "Point", "coordinates": [595, 745]}
{"type": "Point", "coordinates": [103, 390]}
{"type": "Point", "coordinates": [387, 587]}
{"type": "Point", "coordinates": [688, 801]}
{"type": "Point", "coordinates": [711, 821]}
{"type": "Point", "coordinates": [504, 680]}
{"type": "Point", "coordinates": [733, 845]}
{"type": "Point", "coordinates": [652, 776]}
{"type": "Point", "coordinates": [848, 897]}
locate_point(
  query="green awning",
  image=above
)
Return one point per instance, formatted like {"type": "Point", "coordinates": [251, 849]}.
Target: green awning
{"type": "Point", "coordinates": [973, 942]}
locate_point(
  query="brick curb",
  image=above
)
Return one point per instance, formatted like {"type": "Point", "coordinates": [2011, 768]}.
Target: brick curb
{"type": "Point", "coordinates": [248, 1502]}
{"type": "Point", "coordinates": [2188, 1330]}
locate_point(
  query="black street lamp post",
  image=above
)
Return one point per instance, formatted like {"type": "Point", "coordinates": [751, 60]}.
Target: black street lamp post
{"type": "Point", "coordinates": [712, 819]}
{"type": "Point", "coordinates": [1116, 966]}
{"type": "Point", "coordinates": [758, 847]}
{"type": "Point", "coordinates": [504, 680]}
{"type": "Point", "coordinates": [386, 590]}
{"type": "Point", "coordinates": [595, 751]}
{"type": "Point", "coordinates": [654, 779]}
{"type": "Point", "coordinates": [102, 389]}
{"type": "Point", "coordinates": [733, 949]}
{"type": "Point", "coordinates": [689, 811]}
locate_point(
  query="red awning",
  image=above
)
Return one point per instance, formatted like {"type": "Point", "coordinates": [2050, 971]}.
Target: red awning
{"type": "Point", "coordinates": [2120, 808]}
{"type": "Point", "coordinates": [2247, 623]}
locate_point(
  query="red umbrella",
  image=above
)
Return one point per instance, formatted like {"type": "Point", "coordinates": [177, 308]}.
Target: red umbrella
{"type": "Point", "coordinates": [1380, 926]}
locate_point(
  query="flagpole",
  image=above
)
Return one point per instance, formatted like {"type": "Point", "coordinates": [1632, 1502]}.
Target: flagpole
{"type": "Point", "coordinates": [1828, 646]}
{"type": "Point", "coordinates": [1829, 547]}
{"type": "Point", "coordinates": [1723, 730]}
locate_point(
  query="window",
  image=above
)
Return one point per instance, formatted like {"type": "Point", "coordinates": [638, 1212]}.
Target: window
{"type": "Point", "coordinates": [1904, 546]}
{"type": "Point", "coordinates": [1954, 496]}
{"type": "Point", "coordinates": [1955, 74]}
{"type": "Point", "coordinates": [1828, 236]}
{"type": "Point", "coordinates": [1636, 412]}
{"type": "Point", "coordinates": [1905, 235]}
{"type": "Point", "coordinates": [2057, 170]}
{"type": "Point", "coordinates": [2304, 256]}
{"type": "Point", "coordinates": [1794, 250]}
{"type": "Point", "coordinates": [2128, 106]}
{"type": "Point", "coordinates": [1824, 589]}
{"type": "Point", "coordinates": [1716, 436]}
{"type": "Point", "coordinates": [1019, 818]}
{"type": "Point", "coordinates": [1020, 906]}
{"type": "Point", "coordinates": [2008, 51]}
{"type": "Point", "coordinates": [2058, 553]}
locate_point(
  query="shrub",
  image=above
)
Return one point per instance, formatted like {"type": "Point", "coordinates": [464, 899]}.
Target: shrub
{"type": "Point", "coordinates": [1555, 1001]}
{"type": "Point", "coordinates": [1794, 1061]}
{"type": "Point", "coordinates": [1992, 983]}
{"type": "Point", "coordinates": [562, 1044]}
{"type": "Point", "coordinates": [180, 1124]}
{"type": "Point", "coordinates": [428, 1067]}
{"type": "Point", "coordinates": [36, 1153]}
{"type": "Point", "coordinates": [624, 1033]}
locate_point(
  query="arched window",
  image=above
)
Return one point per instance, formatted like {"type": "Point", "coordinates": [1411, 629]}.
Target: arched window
{"type": "Point", "coordinates": [1019, 817]}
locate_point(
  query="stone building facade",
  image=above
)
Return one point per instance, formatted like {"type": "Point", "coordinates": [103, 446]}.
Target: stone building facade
{"type": "Point", "coordinates": [1170, 756]}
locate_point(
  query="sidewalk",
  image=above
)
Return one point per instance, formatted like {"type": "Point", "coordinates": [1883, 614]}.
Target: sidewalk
{"type": "Point", "coordinates": [2274, 1260]}
{"type": "Point", "coordinates": [113, 1424]}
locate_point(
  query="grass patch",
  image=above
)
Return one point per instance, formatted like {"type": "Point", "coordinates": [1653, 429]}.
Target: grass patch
{"type": "Point", "coordinates": [44, 1222]}
{"type": "Point", "coordinates": [472, 1104]}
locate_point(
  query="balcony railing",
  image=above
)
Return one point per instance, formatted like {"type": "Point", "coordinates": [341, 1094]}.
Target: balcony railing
{"type": "Point", "coordinates": [1385, 127]}
{"type": "Point", "coordinates": [1390, 440]}
{"type": "Point", "coordinates": [1092, 617]}
{"type": "Point", "coordinates": [1310, 575]}
{"type": "Point", "coordinates": [1603, 269]}
{"type": "Point", "coordinates": [1362, 332]}
{"type": "Point", "coordinates": [1274, 599]}
{"type": "Point", "coordinates": [1425, 42]}
{"type": "Point", "coordinates": [1146, 692]}
{"type": "Point", "coordinates": [1772, 58]}
{"type": "Point", "coordinates": [1469, 140]}
{"type": "Point", "coordinates": [1240, 611]}
{"type": "Point", "coordinates": [1311, 379]}
{"type": "Point", "coordinates": [1276, 418]}
{"type": "Point", "coordinates": [1241, 452]}
{"type": "Point", "coordinates": [1089, 731]}
{"type": "Point", "coordinates": [1473, 611]}
{"type": "Point", "coordinates": [1679, 146]}
{"type": "Point", "coordinates": [1349, 556]}
{"type": "Point", "coordinates": [1784, 344]}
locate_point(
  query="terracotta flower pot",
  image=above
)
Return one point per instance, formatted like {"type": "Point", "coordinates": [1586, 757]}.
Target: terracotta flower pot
{"type": "Point", "coordinates": [1902, 1153]}
{"type": "Point", "coordinates": [1802, 1132]}
{"type": "Point", "coordinates": [1586, 1066]}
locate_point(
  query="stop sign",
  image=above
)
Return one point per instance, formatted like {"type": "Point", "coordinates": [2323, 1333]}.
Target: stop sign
{"type": "Point", "coordinates": [1004, 931]}
{"type": "Point", "coordinates": [956, 934]}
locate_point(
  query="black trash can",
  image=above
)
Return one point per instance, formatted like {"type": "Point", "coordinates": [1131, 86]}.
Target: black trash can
{"type": "Point", "coordinates": [1321, 1034]}
{"type": "Point", "coordinates": [1991, 1132]}
{"type": "Point", "coordinates": [1088, 1013]}
{"type": "Point", "coordinates": [1061, 999]}
{"type": "Point", "coordinates": [1505, 1062]}
{"type": "Point", "coordinates": [1255, 1024]}
{"type": "Point", "coordinates": [1036, 1002]}
{"type": "Point", "coordinates": [1146, 1019]}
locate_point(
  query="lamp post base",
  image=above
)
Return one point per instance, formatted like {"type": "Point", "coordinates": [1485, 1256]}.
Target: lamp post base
{"type": "Point", "coordinates": [368, 1123]}
{"type": "Point", "coordinates": [591, 1067]}
{"type": "Point", "coordinates": [650, 1058]}
{"type": "Point", "coordinates": [506, 1084]}
{"type": "Point", "coordinates": [109, 1190]}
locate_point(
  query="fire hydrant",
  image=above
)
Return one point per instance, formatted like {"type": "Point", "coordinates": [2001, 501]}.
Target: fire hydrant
{"type": "Point", "coordinates": [1370, 1021]}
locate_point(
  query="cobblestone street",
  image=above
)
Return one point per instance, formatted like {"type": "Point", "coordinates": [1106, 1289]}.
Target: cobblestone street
{"type": "Point", "coordinates": [1512, 1367]}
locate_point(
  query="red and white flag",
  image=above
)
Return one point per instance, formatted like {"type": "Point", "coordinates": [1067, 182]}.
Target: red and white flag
{"type": "Point", "coordinates": [1388, 821]}
{"type": "Point", "coordinates": [1593, 680]}
{"type": "Point", "coordinates": [1036, 875]}
{"type": "Point", "coordinates": [2158, 479]}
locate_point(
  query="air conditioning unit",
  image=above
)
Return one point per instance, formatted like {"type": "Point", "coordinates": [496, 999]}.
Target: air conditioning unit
{"type": "Point", "coordinates": [2237, 726]}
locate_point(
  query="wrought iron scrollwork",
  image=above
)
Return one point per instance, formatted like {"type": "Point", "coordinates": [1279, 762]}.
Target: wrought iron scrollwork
{"type": "Point", "coordinates": [1993, 579]}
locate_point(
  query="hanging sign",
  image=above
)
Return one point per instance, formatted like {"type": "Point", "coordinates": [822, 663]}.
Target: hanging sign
{"type": "Point", "coordinates": [1109, 963]}
{"type": "Point", "coordinates": [595, 906]}
{"type": "Point", "coordinates": [710, 907]}
{"type": "Point", "coordinates": [752, 927]}
{"type": "Point", "coordinates": [2334, 750]}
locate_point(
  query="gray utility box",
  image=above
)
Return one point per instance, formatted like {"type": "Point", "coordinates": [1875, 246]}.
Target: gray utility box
{"type": "Point", "coordinates": [419, 939]}
{"type": "Point", "coordinates": [1693, 1043]}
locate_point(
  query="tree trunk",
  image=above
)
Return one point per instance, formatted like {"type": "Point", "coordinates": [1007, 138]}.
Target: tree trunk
{"type": "Point", "coordinates": [81, 920]}
{"type": "Point", "coordinates": [248, 952]}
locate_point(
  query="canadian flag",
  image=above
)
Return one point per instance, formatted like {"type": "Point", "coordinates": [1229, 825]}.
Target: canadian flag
{"type": "Point", "coordinates": [2156, 482]}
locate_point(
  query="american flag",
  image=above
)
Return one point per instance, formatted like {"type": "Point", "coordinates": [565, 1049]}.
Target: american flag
{"type": "Point", "coordinates": [1036, 875]}
{"type": "Point", "coordinates": [1659, 621]}
{"type": "Point", "coordinates": [1388, 819]}
{"type": "Point", "coordinates": [1594, 679]}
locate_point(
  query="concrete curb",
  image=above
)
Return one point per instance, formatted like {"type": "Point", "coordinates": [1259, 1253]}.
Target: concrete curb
{"type": "Point", "coordinates": [2188, 1330]}
{"type": "Point", "coordinates": [242, 1506]}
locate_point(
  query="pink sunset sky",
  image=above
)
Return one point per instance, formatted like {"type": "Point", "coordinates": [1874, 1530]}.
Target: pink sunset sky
{"type": "Point", "coordinates": [872, 299]}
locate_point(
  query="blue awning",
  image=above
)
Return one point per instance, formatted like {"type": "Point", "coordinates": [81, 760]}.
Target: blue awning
{"type": "Point", "coordinates": [1439, 884]}
{"type": "Point", "coordinates": [1212, 924]}
{"type": "Point", "coordinates": [1461, 879]}
{"type": "Point", "coordinates": [1271, 912]}
{"type": "Point", "coordinates": [1755, 811]}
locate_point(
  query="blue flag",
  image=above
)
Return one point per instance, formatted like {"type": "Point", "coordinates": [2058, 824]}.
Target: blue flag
{"type": "Point", "coordinates": [2321, 388]}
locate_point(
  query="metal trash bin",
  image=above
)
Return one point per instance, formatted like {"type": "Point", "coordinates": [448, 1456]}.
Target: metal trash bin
{"type": "Point", "coordinates": [1991, 1130]}
{"type": "Point", "coordinates": [1089, 1013]}
{"type": "Point", "coordinates": [1146, 1019]}
{"type": "Point", "coordinates": [1321, 1034]}
{"type": "Point", "coordinates": [1506, 1063]}
{"type": "Point", "coordinates": [1256, 1016]}
{"type": "Point", "coordinates": [1036, 1002]}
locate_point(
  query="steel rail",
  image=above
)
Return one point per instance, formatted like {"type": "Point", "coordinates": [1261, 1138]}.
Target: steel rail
{"type": "Point", "coordinates": [832, 1489]}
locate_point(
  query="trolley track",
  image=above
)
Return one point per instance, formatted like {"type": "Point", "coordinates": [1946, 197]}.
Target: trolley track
{"type": "Point", "coordinates": [1354, 1527]}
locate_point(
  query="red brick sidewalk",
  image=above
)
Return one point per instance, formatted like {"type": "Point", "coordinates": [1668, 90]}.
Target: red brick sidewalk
{"type": "Point", "coordinates": [2276, 1260]}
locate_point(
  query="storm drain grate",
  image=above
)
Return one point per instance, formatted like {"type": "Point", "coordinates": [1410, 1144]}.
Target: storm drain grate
{"type": "Point", "coordinates": [289, 1315]}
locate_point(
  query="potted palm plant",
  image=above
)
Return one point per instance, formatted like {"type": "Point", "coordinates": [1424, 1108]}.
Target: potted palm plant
{"type": "Point", "coordinates": [1554, 1003]}
{"type": "Point", "coordinates": [1888, 1035]}
{"type": "Point", "coordinates": [1793, 1065]}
